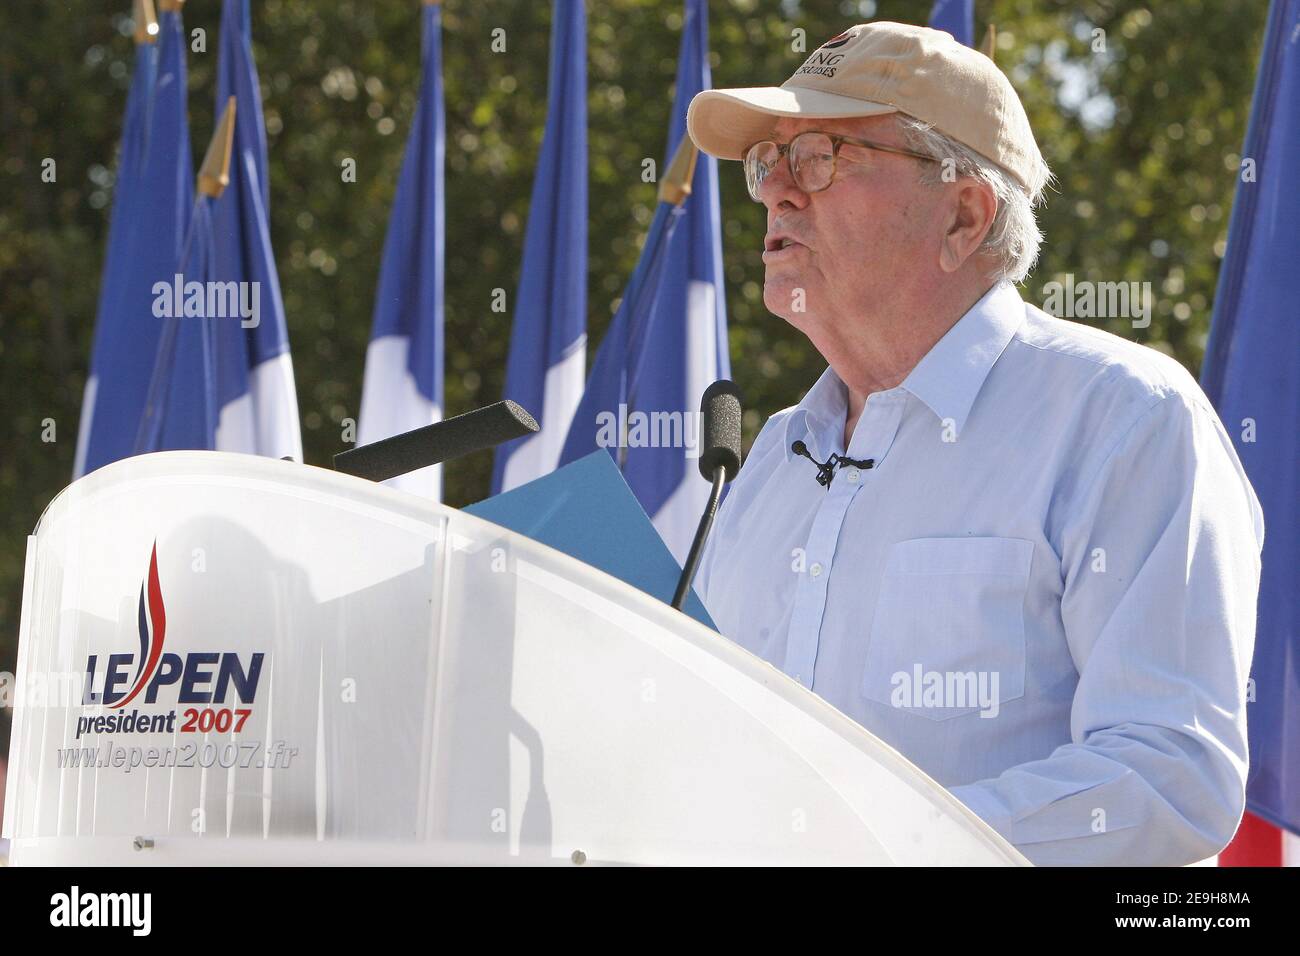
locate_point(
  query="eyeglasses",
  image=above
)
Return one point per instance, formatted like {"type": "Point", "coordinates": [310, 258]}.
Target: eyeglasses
{"type": "Point", "coordinates": [812, 159]}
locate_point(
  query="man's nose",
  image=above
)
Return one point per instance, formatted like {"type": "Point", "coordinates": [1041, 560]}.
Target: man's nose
{"type": "Point", "coordinates": [778, 187]}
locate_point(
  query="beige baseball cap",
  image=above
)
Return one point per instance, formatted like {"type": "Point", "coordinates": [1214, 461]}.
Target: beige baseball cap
{"type": "Point", "coordinates": [877, 68]}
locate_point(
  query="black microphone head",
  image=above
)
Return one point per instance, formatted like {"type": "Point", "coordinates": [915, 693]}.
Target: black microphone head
{"type": "Point", "coordinates": [799, 448]}
{"type": "Point", "coordinates": [720, 432]}
{"type": "Point", "coordinates": [520, 415]}
{"type": "Point", "coordinates": [442, 441]}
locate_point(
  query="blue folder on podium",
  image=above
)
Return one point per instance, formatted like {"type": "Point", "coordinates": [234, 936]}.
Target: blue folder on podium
{"type": "Point", "coordinates": [586, 510]}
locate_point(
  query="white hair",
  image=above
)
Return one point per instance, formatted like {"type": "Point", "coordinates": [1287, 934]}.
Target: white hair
{"type": "Point", "coordinates": [1013, 239]}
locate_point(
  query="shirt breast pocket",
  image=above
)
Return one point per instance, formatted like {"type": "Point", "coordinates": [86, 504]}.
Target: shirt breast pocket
{"type": "Point", "coordinates": [948, 634]}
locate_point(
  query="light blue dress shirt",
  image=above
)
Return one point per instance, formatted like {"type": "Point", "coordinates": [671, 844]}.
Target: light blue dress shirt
{"type": "Point", "coordinates": [1042, 592]}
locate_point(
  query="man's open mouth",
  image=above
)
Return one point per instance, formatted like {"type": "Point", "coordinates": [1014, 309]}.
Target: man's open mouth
{"type": "Point", "coordinates": [777, 243]}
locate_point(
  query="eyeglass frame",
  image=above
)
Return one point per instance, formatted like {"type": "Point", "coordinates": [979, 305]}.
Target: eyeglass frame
{"type": "Point", "coordinates": [783, 151]}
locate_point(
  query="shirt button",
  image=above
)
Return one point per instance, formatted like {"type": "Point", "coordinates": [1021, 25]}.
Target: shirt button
{"type": "Point", "coordinates": [853, 475]}
{"type": "Point", "coordinates": [815, 570]}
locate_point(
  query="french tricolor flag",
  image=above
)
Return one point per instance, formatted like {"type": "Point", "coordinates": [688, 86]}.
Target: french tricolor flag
{"type": "Point", "coordinates": [404, 362]}
{"type": "Point", "coordinates": [956, 17]}
{"type": "Point", "coordinates": [547, 363]}
{"type": "Point", "coordinates": [1252, 376]}
{"type": "Point", "coordinates": [152, 201]}
{"type": "Point", "coordinates": [256, 400]}
{"type": "Point", "coordinates": [685, 345]}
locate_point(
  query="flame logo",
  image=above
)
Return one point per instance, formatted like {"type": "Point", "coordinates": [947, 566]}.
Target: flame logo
{"type": "Point", "coordinates": [153, 629]}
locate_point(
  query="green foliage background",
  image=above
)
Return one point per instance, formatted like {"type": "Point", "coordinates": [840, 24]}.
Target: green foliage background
{"type": "Point", "coordinates": [1143, 137]}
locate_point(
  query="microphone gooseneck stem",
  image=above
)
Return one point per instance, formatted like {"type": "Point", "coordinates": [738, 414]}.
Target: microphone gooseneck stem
{"type": "Point", "coordinates": [702, 532]}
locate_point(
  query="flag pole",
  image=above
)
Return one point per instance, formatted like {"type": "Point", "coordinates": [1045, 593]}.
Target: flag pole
{"type": "Point", "coordinates": [214, 174]}
{"type": "Point", "coordinates": [990, 42]}
{"type": "Point", "coordinates": [146, 22]}
{"type": "Point", "coordinates": [676, 187]}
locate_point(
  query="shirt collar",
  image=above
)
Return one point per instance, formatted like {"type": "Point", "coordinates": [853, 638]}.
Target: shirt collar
{"type": "Point", "coordinates": [952, 373]}
{"type": "Point", "coordinates": [825, 405]}
{"type": "Point", "coordinates": [948, 377]}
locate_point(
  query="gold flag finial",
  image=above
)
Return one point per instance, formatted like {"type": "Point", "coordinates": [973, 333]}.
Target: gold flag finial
{"type": "Point", "coordinates": [170, 6]}
{"type": "Point", "coordinates": [146, 22]}
{"type": "Point", "coordinates": [990, 42]}
{"type": "Point", "coordinates": [214, 174]}
{"type": "Point", "coordinates": [676, 185]}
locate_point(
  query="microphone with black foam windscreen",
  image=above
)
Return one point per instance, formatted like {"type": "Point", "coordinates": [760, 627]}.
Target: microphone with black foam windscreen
{"type": "Point", "coordinates": [433, 444]}
{"type": "Point", "coordinates": [719, 462]}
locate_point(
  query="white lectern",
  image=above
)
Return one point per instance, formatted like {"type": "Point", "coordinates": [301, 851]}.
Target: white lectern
{"type": "Point", "coordinates": [230, 659]}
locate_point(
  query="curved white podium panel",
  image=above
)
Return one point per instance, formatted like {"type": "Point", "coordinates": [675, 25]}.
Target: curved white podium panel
{"type": "Point", "coordinates": [230, 659]}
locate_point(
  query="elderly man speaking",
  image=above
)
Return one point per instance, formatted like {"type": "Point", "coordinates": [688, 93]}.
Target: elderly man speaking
{"type": "Point", "coordinates": [1020, 550]}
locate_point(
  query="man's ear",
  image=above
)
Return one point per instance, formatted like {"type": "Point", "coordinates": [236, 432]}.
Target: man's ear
{"type": "Point", "coordinates": [970, 216]}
